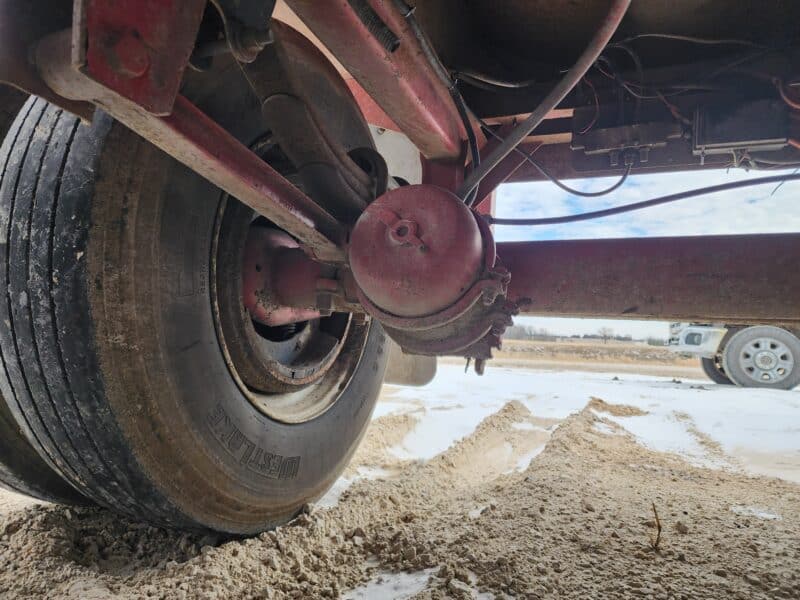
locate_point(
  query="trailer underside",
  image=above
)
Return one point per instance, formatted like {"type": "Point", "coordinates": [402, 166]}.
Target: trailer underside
{"type": "Point", "coordinates": [271, 106]}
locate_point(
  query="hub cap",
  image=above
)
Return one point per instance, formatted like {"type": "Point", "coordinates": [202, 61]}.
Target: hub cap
{"type": "Point", "coordinates": [767, 360]}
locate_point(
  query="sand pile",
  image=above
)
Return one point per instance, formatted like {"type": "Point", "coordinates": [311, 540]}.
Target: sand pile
{"type": "Point", "coordinates": [578, 522]}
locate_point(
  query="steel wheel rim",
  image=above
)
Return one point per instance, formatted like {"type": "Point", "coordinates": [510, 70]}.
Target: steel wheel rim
{"type": "Point", "coordinates": [766, 360]}
{"type": "Point", "coordinates": [306, 395]}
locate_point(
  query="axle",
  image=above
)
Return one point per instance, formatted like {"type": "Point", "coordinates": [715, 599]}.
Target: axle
{"type": "Point", "coordinates": [419, 259]}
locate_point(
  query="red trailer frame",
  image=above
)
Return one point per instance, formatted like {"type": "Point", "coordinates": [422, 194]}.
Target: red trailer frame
{"type": "Point", "coordinates": [115, 57]}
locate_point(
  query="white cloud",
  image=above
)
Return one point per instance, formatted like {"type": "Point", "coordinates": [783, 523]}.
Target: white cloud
{"type": "Point", "coordinates": [748, 210]}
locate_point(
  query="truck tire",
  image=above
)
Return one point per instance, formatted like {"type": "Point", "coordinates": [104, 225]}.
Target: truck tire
{"type": "Point", "coordinates": [22, 470]}
{"type": "Point", "coordinates": [714, 370]}
{"type": "Point", "coordinates": [11, 100]}
{"type": "Point", "coordinates": [123, 330]}
{"type": "Point", "coordinates": [763, 356]}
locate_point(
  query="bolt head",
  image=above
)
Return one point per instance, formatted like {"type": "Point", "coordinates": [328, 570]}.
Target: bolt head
{"type": "Point", "coordinates": [129, 56]}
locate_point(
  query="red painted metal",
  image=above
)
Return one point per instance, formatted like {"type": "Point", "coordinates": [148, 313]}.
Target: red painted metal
{"type": "Point", "coordinates": [373, 114]}
{"type": "Point", "coordinates": [403, 82]}
{"type": "Point", "coordinates": [138, 48]}
{"type": "Point", "coordinates": [504, 169]}
{"type": "Point", "coordinates": [416, 250]}
{"type": "Point", "coordinates": [191, 137]}
{"type": "Point", "coordinates": [735, 279]}
{"type": "Point", "coordinates": [206, 147]}
{"type": "Point", "coordinates": [280, 283]}
{"type": "Point", "coordinates": [488, 205]}
{"type": "Point", "coordinates": [444, 174]}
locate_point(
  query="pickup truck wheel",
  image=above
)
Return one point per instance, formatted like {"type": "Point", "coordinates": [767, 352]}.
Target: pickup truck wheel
{"type": "Point", "coordinates": [22, 470]}
{"type": "Point", "coordinates": [763, 356]}
{"type": "Point", "coordinates": [123, 340]}
{"type": "Point", "coordinates": [714, 370]}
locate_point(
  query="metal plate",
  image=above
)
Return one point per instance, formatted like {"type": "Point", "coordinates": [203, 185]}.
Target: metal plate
{"type": "Point", "coordinates": [138, 48]}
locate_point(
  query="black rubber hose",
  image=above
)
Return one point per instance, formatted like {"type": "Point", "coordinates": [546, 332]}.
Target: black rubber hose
{"type": "Point", "coordinates": [711, 189]}
{"type": "Point", "coordinates": [570, 80]}
{"type": "Point", "coordinates": [554, 180]}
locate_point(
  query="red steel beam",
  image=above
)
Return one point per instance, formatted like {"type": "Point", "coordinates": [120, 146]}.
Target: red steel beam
{"type": "Point", "coordinates": [139, 48]}
{"type": "Point", "coordinates": [402, 82]}
{"type": "Point", "coordinates": [736, 279]}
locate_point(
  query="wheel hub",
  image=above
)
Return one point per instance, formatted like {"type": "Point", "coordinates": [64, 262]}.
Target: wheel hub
{"type": "Point", "coordinates": [766, 360]}
{"type": "Point", "coordinates": [290, 362]}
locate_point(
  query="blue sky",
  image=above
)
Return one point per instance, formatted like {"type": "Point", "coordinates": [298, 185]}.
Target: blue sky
{"type": "Point", "coordinates": [749, 210]}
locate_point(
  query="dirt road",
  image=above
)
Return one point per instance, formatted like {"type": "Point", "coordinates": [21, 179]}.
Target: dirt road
{"type": "Point", "coordinates": [528, 504]}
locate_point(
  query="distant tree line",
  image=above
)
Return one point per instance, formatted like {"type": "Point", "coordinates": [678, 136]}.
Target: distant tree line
{"type": "Point", "coordinates": [526, 332]}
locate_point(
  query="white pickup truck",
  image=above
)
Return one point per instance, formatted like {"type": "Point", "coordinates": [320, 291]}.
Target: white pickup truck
{"type": "Point", "coordinates": [748, 356]}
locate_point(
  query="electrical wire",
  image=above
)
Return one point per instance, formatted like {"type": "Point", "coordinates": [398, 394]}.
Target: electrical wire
{"type": "Point", "coordinates": [639, 90]}
{"type": "Point", "coordinates": [472, 139]}
{"type": "Point", "coordinates": [637, 63]}
{"type": "Point", "coordinates": [784, 95]}
{"type": "Point", "coordinates": [580, 193]}
{"type": "Point", "coordinates": [597, 214]}
{"type": "Point", "coordinates": [691, 39]}
{"type": "Point", "coordinates": [553, 179]}
{"type": "Point", "coordinates": [772, 162]}
{"type": "Point", "coordinates": [488, 82]}
{"type": "Point", "coordinates": [461, 106]}
{"type": "Point", "coordinates": [777, 187]}
{"type": "Point", "coordinates": [593, 122]}
{"type": "Point", "coordinates": [603, 34]}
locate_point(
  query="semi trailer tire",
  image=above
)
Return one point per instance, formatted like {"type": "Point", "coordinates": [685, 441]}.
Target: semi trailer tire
{"type": "Point", "coordinates": [126, 342]}
{"type": "Point", "coordinates": [22, 470]}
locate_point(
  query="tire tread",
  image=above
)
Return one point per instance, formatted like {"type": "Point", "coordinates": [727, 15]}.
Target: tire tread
{"type": "Point", "coordinates": [53, 381]}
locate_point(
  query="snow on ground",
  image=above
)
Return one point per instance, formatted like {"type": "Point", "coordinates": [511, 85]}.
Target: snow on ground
{"type": "Point", "coordinates": [719, 427]}
{"type": "Point", "coordinates": [711, 425]}
{"type": "Point", "coordinates": [498, 511]}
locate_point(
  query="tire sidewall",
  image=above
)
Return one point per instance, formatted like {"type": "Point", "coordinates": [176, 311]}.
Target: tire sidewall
{"type": "Point", "coordinates": [713, 373]}
{"type": "Point", "coordinates": [205, 446]}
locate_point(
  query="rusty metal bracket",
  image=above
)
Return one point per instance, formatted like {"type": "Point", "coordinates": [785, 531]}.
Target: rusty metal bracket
{"type": "Point", "coordinates": [402, 81]}
{"type": "Point", "coordinates": [138, 48]}
{"type": "Point", "coordinates": [191, 137]}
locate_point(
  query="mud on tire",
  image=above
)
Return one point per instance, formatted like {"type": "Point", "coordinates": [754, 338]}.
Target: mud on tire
{"type": "Point", "coordinates": [109, 336]}
{"type": "Point", "coordinates": [21, 468]}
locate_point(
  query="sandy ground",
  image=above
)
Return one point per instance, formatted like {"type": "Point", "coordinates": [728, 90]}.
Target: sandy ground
{"type": "Point", "coordinates": [520, 484]}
